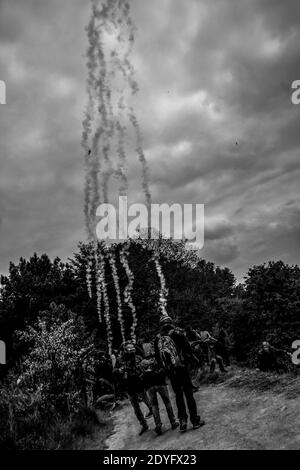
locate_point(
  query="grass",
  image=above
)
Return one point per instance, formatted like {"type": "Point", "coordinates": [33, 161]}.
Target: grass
{"type": "Point", "coordinates": [95, 434]}
{"type": "Point", "coordinates": [253, 379]}
{"type": "Point", "coordinates": [287, 384]}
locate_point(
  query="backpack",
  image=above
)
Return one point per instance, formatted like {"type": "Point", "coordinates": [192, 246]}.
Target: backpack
{"type": "Point", "coordinates": [149, 365]}
{"type": "Point", "coordinates": [168, 352]}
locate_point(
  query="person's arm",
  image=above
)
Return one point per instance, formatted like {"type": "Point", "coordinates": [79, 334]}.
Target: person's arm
{"type": "Point", "coordinates": [197, 336]}
{"type": "Point", "coordinates": [187, 350]}
{"type": "Point", "coordinates": [277, 350]}
{"type": "Point", "coordinates": [194, 343]}
{"type": "Point", "coordinates": [156, 353]}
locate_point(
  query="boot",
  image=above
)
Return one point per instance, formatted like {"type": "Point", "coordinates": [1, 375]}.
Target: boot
{"type": "Point", "coordinates": [183, 426]}
{"type": "Point", "coordinates": [198, 424]}
{"type": "Point", "coordinates": [144, 429]}
{"type": "Point", "coordinates": [158, 430]}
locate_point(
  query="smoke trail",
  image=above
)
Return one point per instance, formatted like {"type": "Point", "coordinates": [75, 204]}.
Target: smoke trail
{"type": "Point", "coordinates": [112, 262]}
{"type": "Point", "coordinates": [163, 290]}
{"type": "Point", "coordinates": [129, 74]}
{"type": "Point", "coordinates": [89, 276]}
{"type": "Point", "coordinates": [140, 152]}
{"type": "Point", "coordinates": [122, 166]}
{"type": "Point", "coordinates": [87, 122]}
{"type": "Point", "coordinates": [104, 130]}
{"type": "Point", "coordinates": [128, 290]}
{"type": "Point", "coordinates": [106, 302]}
{"type": "Point", "coordinates": [98, 281]}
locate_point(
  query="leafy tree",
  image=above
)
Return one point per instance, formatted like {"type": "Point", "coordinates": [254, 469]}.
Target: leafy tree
{"type": "Point", "coordinates": [194, 285]}
{"type": "Point", "coordinates": [270, 307]}
{"type": "Point", "coordinates": [37, 403]}
{"type": "Point", "coordinates": [29, 288]}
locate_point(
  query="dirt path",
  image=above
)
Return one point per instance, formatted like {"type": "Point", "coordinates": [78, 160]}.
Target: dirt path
{"type": "Point", "coordinates": [236, 418]}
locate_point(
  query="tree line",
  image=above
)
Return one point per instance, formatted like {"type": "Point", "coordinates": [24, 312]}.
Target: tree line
{"type": "Point", "coordinates": [52, 331]}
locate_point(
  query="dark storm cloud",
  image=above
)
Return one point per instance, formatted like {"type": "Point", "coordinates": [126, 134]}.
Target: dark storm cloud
{"type": "Point", "coordinates": [214, 106]}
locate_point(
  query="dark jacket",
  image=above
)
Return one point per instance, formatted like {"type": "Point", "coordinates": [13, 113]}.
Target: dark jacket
{"type": "Point", "coordinates": [130, 372]}
{"type": "Point", "coordinates": [151, 373]}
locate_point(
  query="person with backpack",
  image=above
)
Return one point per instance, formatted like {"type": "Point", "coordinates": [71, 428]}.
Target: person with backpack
{"type": "Point", "coordinates": [174, 353]}
{"type": "Point", "coordinates": [154, 381]}
{"type": "Point", "coordinates": [131, 373]}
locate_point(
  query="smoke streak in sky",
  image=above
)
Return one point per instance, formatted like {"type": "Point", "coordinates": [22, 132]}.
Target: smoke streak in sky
{"type": "Point", "coordinates": [109, 114]}
{"type": "Point", "coordinates": [111, 87]}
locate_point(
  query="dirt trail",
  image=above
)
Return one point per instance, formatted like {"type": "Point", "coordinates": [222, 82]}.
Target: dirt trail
{"type": "Point", "coordinates": [236, 418]}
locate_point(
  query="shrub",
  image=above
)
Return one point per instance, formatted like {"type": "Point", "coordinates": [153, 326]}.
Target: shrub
{"type": "Point", "coordinates": [40, 406]}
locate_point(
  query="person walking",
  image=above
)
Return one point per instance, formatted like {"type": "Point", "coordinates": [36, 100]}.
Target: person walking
{"type": "Point", "coordinates": [154, 381]}
{"type": "Point", "coordinates": [173, 352]}
{"type": "Point", "coordinates": [130, 370]}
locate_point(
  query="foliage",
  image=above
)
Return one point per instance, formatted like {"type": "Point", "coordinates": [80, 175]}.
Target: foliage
{"type": "Point", "coordinates": [269, 309]}
{"type": "Point", "coordinates": [29, 288]}
{"type": "Point", "coordinates": [51, 356]}
{"type": "Point", "coordinates": [51, 388]}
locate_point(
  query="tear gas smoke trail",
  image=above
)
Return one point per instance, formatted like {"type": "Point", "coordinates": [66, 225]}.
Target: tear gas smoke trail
{"type": "Point", "coordinates": [89, 277]}
{"type": "Point", "coordinates": [87, 122]}
{"type": "Point", "coordinates": [106, 79]}
{"type": "Point", "coordinates": [105, 16]}
{"type": "Point", "coordinates": [163, 290]}
{"type": "Point", "coordinates": [112, 262]}
{"type": "Point", "coordinates": [116, 119]}
{"type": "Point", "coordinates": [129, 73]}
{"type": "Point", "coordinates": [142, 159]}
{"type": "Point", "coordinates": [105, 301]}
{"type": "Point", "coordinates": [101, 131]}
{"type": "Point", "coordinates": [121, 130]}
{"type": "Point", "coordinates": [104, 131]}
{"type": "Point", "coordinates": [122, 166]}
{"type": "Point", "coordinates": [99, 295]}
{"type": "Point", "coordinates": [124, 253]}
{"type": "Point", "coordinates": [98, 281]}
{"type": "Point", "coordinates": [111, 16]}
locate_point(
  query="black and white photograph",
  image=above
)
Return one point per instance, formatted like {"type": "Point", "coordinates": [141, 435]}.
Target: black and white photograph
{"type": "Point", "coordinates": [149, 228]}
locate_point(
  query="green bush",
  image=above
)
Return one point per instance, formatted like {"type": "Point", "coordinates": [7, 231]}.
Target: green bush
{"type": "Point", "coordinates": [41, 405]}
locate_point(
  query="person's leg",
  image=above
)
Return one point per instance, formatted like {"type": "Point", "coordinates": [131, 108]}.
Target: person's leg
{"type": "Point", "coordinates": [134, 400]}
{"type": "Point", "coordinates": [225, 356]}
{"type": "Point", "coordinates": [181, 409]}
{"type": "Point", "coordinates": [146, 400]}
{"type": "Point", "coordinates": [164, 393]}
{"type": "Point", "coordinates": [154, 404]}
{"type": "Point", "coordinates": [212, 365]}
{"type": "Point", "coordinates": [116, 385]}
{"type": "Point", "coordinates": [188, 392]}
{"type": "Point", "coordinates": [220, 363]}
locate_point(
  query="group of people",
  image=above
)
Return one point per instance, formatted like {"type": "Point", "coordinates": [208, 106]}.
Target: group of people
{"type": "Point", "coordinates": [143, 374]}
{"type": "Point", "coordinates": [209, 350]}
{"type": "Point", "coordinates": [177, 357]}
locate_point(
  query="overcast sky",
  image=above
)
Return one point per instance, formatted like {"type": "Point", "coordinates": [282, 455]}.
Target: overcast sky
{"type": "Point", "coordinates": [214, 106]}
